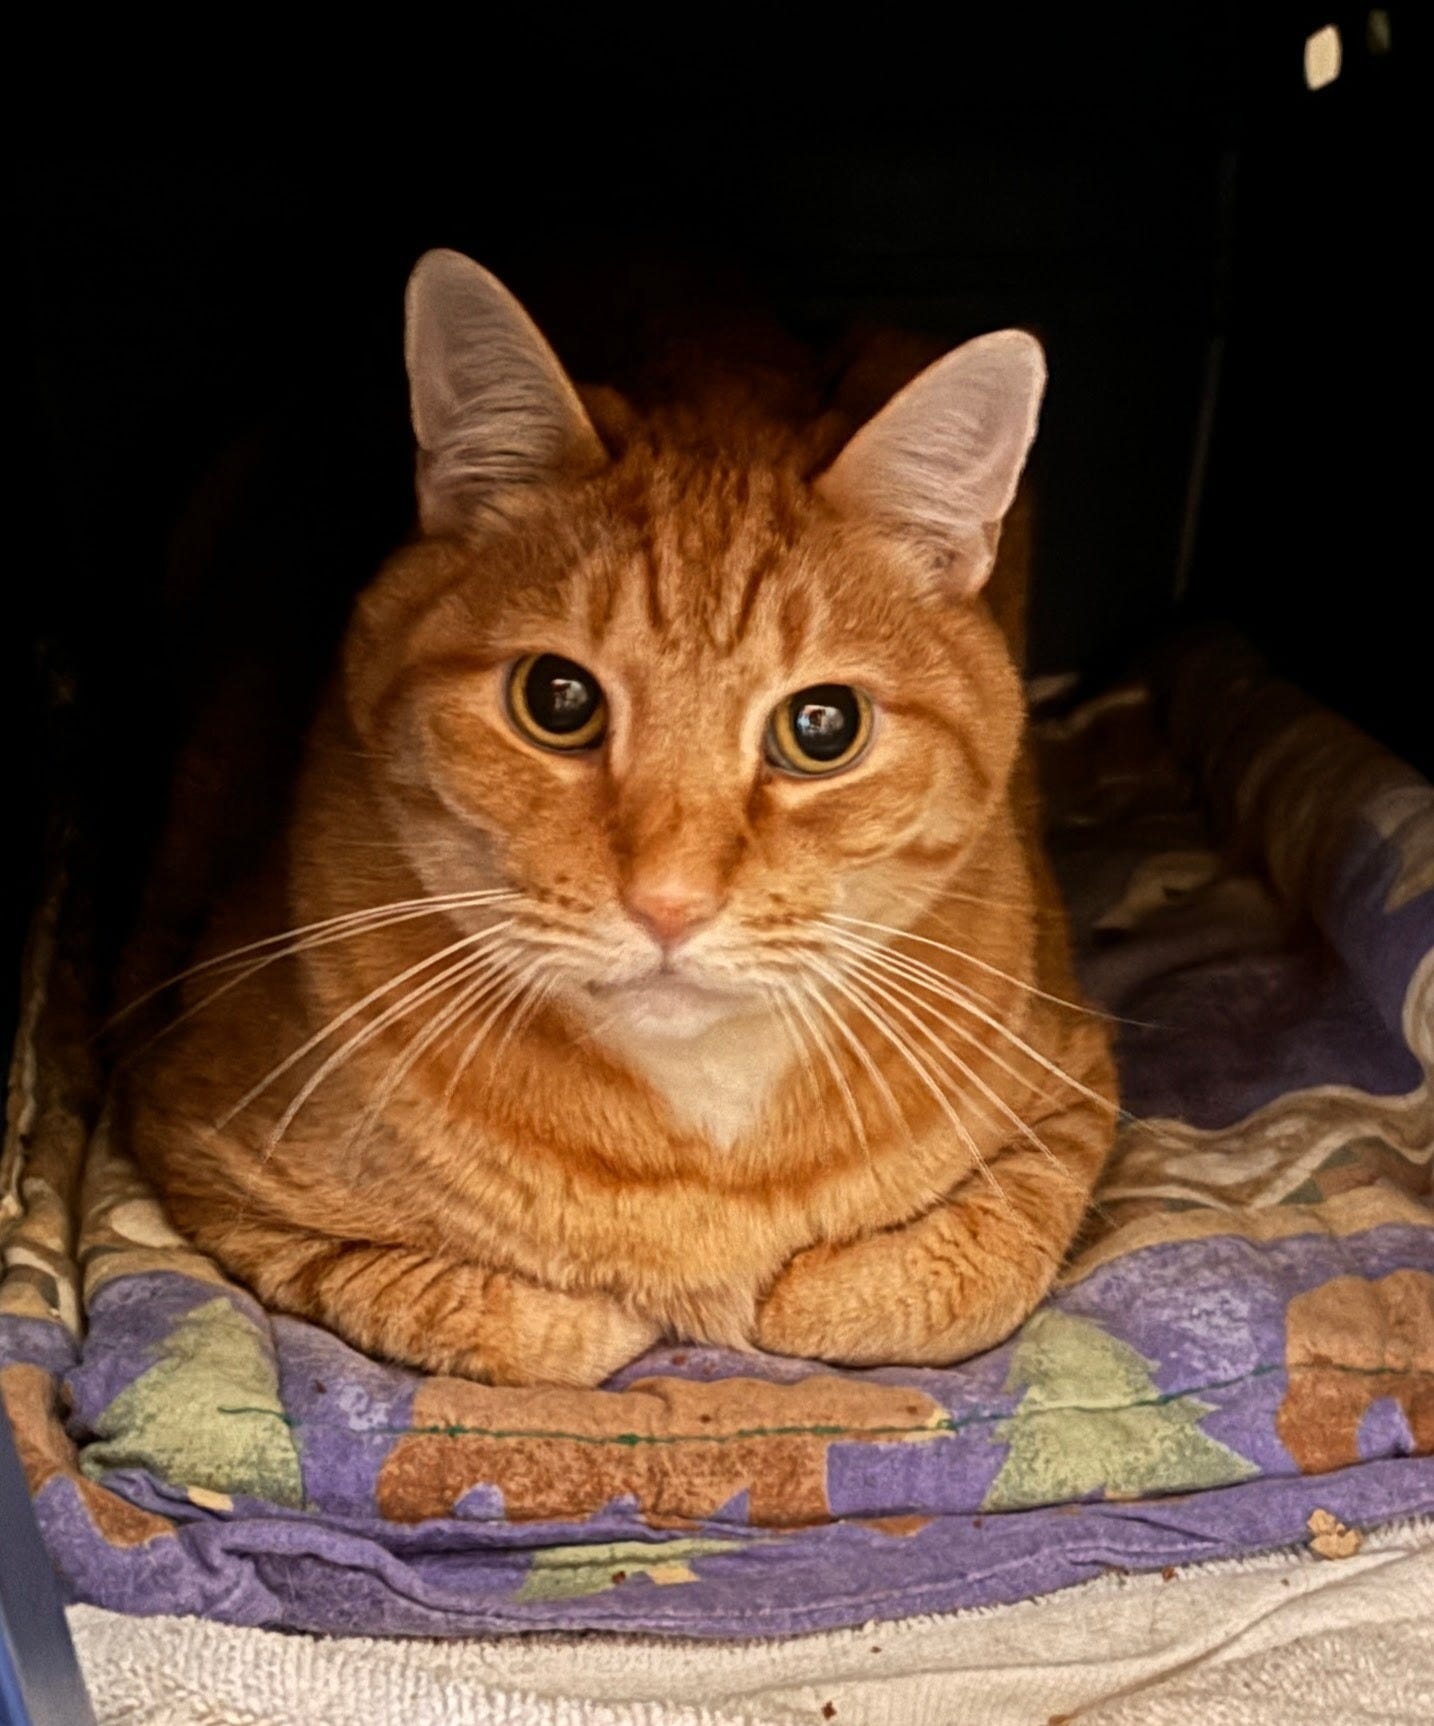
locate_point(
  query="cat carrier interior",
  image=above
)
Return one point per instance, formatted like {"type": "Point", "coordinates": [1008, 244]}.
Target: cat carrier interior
{"type": "Point", "coordinates": [1204, 213]}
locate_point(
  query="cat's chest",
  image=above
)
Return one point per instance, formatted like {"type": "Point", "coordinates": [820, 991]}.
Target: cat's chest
{"type": "Point", "coordinates": [730, 1155]}
{"type": "Point", "coordinates": [688, 1221]}
{"type": "Point", "coordinates": [716, 1087]}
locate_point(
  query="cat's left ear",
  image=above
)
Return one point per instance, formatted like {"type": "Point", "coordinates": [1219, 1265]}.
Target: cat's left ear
{"type": "Point", "coordinates": [493, 409]}
{"type": "Point", "coordinates": [938, 466]}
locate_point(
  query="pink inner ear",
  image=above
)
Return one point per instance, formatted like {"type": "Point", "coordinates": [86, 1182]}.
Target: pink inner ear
{"type": "Point", "coordinates": [492, 406]}
{"type": "Point", "coordinates": [939, 465]}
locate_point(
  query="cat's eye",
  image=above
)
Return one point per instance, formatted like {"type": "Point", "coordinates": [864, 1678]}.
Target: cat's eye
{"type": "Point", "coordinates": [820, 729]}
{"type": "Point", "coordinates": [556, 702]}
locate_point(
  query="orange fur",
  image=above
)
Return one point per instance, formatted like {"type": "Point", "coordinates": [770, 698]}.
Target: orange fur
{"type": "Point", "coordinates": [655, 1147]}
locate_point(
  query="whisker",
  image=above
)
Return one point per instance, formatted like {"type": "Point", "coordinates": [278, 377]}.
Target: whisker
{"type": "Point", "coordinates": [858, 1048]}
{"type": "Point", "coordinates": [462, 945]}
{"type": "Point", "coordinates": [365, 1034]}
{"type": "Point", "coordinates": [489, 978]}
{"type": "Point", "coordinates": [970, 959]}
{"type": "Point", "coordinates": [985, 904]}
{"type": "Point", "coordinates": [967, 1072]}
{"type": "Point", "coordinates": [800, 1048]}
{"type": "Point", "coordinates": [898, 965]}
{"type": "Point", "coordinates": [533, 985]}
{"type": "Point", "coordinates": [823, 1046]}
{"type": "Point", "coordinates": [248, 971]}
{"type": "Point", "coordinates": [377, 916]}
{"type": "Point", "coordinates": [959, 996]}
{"type": "Point", "coordinates": [858, 998]}
{"type": "Point", "coordinates": [597, 1028]}
{"type": "Point", "coordinates": [471, 1048]}
{"type": "Point", "coordinates": [981, 995]}
{"type": "Point", "coordinates": [943, 987]}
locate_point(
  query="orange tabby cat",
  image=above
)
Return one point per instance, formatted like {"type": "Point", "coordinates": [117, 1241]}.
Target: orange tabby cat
{"type": "Point", "coordinates": [668, 952]}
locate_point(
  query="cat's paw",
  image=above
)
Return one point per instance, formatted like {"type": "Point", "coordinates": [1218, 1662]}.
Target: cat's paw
{"type": "Point", "coordinates": [723, 1317]}
{"type": "Point", "coordinates": [821, 1308]}
{"type": "Point", "coordinates": [895, 1297]}
{"type": "Point", "coordinates": [554, 1338]}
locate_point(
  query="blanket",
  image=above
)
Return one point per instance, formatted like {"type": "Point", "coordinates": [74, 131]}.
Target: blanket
{"type": "Point", "coordinates": [1243, 1340]}
{"type": "Point", "coordinates": [1282, 1640]}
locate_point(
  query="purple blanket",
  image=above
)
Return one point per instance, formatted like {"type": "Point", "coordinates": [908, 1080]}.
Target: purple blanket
{"type": "Point", "coordinates": [1244, 1338]}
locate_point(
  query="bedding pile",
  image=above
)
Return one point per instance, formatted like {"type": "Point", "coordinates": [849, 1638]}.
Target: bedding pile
{"type": "Point", "coordinates": [1279, 1640]}
{"type": "Point", "coordinates": [1239, 1356]}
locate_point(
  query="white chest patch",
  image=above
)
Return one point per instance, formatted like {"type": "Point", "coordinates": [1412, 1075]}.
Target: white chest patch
{"type": "Point", "coordinates": [715, 1083]}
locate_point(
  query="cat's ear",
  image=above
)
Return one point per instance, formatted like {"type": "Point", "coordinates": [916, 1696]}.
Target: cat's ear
{"type": "Point", "coordinates": [938, 465]}
{"type": "Point", "coordinates": [493, 409]}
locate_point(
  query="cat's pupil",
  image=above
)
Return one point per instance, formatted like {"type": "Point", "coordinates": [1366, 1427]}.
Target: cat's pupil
{"type": "Point", "coordinates": [825, 719]}
{"type": "Point", "coordinates": [562, 697]}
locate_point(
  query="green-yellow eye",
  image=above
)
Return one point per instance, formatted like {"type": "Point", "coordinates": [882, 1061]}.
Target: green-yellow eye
{"type": "Point", "coordinates": [556, 703]}
{"type": "Point", "coordinates": [820, 729]}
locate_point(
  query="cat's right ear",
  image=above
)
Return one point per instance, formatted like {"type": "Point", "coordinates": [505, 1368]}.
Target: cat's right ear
{"type": "Point", "coordinates": [493, 410]}
{"type": "Point", "coordinates": [937, 468]}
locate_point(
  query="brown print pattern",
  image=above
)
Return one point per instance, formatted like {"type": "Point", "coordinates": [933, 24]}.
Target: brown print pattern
{"type": "Point", "coordinates": [1349, 1344]}
{"type": "Point", "coordinates": [45, 1452]}
{"type": "Point", "coordinates": [681, 1449]}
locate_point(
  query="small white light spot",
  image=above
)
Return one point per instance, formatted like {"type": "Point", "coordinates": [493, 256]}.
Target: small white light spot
{"type": "Point", "coordinates": [1378, 38]}
{"type": "Point", "coordinates": [1324, 54]}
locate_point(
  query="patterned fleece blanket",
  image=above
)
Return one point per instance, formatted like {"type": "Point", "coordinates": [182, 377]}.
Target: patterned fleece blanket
{"type": "Point", "coordinates": [1240, 1352]}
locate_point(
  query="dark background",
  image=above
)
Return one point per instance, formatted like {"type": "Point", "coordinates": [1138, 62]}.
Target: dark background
{"type": "Point", "coordinates": [1219, 260]}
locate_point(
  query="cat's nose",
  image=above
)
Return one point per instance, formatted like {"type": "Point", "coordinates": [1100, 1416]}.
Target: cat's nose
{"type": "Point", "coordinates": [669, 907]}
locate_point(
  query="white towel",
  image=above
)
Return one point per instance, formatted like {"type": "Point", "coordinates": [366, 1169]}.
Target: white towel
{"type": "Point", "coordinates": [1283, 1640]}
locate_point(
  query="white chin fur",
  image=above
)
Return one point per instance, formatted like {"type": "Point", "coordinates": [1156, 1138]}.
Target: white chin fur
{"type": "Point", "coordinates": [712, 1058]}
{"type": "Point", "coordinates": [669, 1009]}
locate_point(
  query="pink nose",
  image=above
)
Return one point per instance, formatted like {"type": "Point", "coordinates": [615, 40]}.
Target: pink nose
{"type": "Point", "coordinates": [670, 909]}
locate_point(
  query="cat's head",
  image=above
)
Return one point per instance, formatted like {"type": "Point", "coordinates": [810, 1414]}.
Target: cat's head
{"type": "Point", "coordinates": [681, 695]}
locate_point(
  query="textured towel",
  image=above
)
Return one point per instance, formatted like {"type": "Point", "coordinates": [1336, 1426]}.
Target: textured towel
{"type": "Point", "coordinates": [1266, 1642]}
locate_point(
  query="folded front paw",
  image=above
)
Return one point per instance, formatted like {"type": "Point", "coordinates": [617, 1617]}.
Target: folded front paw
{"type": "Point", "coordinates": [894, 1298]}
{"type": "Point", "coordinates": [821, 1307]}
{"type": "Point", "coordinates": [564, 1339]}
